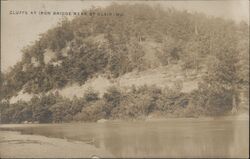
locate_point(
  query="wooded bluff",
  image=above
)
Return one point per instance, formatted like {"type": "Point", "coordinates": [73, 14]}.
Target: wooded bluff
{"type": "Point", "coordinates": [145, 38]}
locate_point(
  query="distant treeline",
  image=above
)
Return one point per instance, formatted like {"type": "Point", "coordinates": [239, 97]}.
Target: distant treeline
{"type": "Point", "coordinates": [191, 39]}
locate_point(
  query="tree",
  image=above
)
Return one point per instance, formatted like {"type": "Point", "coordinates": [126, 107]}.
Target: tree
{"type": "Point", "coordinates": [171, 51]}
{"type": "Point", "coordinates": [91, 95]}
{"type": "Point", "coordinates": [60, 110]}
{"type": "Point", "coordinates": [191, 55]}
{"type": "Point", "coordinates": [41, 108]}
{"type": "Point", "coordinates": [221, 82]}
{"type": "Point", "coordinates": [112, 99]}
{"type": "Point", "coordinates": [136, 55]}
{"type": "Point", "coordinates": [4, 115]}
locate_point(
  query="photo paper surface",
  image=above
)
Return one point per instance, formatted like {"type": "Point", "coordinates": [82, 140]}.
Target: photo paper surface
{"type": "Point", "coordinates": [124, 79]}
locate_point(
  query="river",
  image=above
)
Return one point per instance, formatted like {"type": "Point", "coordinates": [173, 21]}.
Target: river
{"type": "Point", "coordinates": [163, 138]}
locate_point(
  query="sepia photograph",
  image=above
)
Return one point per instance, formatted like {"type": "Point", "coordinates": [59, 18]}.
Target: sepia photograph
{"type": "Point", "coordinates": [124, 79]}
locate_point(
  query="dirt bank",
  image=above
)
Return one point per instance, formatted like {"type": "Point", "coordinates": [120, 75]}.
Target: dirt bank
{"type": "Point", "coordinates": [15, 144]}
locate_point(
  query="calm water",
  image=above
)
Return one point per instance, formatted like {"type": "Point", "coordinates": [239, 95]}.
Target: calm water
{"type": "Point", "coordinates": [174, 138]}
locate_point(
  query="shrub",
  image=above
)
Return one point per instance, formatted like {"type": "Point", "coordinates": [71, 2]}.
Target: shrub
{"type": "Point", "coordinates": [93, 112]}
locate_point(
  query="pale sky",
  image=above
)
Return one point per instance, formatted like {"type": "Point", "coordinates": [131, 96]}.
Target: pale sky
{"type": "Point", "coordinates": [18, 31]}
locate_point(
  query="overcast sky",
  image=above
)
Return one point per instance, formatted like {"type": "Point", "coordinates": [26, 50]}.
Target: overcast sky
{"type": "Point", "coordinates": [18, 31]}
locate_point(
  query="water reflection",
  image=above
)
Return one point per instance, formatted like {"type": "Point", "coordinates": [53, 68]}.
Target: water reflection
{"type": "Point", "coordinates": [178, 139]}
{"type": "Point", "coordinates": [156, 139]}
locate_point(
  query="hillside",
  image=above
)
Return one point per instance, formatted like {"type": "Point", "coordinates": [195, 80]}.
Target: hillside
{"type": "Point", "coordinates": [150, 60]}
{"type": "Point", "coordinates": [161, 77]}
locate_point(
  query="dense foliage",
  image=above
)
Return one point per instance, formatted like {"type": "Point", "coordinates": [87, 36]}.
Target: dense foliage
{"type": "Point", "coordinates": [135, 103]}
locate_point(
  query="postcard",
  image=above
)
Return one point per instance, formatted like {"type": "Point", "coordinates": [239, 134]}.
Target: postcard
{"type": "Point", "coordinates": [124, 79]}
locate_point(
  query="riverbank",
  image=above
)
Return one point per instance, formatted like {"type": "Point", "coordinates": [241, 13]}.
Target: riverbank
{"type": "Point", "coordinates": [14, 144]}
{"type": "Point", "coordinates": [242, 116]}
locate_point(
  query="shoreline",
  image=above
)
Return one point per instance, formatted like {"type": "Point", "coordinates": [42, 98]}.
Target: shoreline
{"type": "Point", "coordinates": [15, 144]}
{"type": "Point", "coordinates": [243, 116]}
